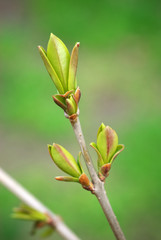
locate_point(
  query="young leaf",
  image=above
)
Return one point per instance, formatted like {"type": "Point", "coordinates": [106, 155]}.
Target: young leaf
{"type": "Point", "coordinates": [119, 149]}
{"type": "Point", "coordinates": [67, 179]}
{"type": "Point", "coordinates": [47, 232]}
{"type": "Point", "coordinates": [59, 57]}
{"type": "Point", "coordinates": [60, 101]}
{"type": "Point", "coordinates": [73, 67]}
{"type": "Point", "coordinates": [79, 163]}
{"type": "Point", "coordinates": [51, 70]}
{"type": "Point", "coordinates": [100, 161]}
{"type": "Point", "coordinates": [102, 126]}
{"type": "Point", "coordinates": [71, 105]}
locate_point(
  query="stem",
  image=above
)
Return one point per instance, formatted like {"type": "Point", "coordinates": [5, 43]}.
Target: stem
{"type": "Point", "coordinates": [99, 190]}
{"type": "Point", "coordinates": [31, 201]}
{"type": "Point", "coordinates": [79, 135]}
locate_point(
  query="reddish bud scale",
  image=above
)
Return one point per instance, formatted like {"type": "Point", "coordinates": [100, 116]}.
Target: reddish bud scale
{"type": "Point", "coordinates": [77, 95]}
{"type": "Point", "coordinates": [86, 184]}
{"type": "Point", "coordinates": [105, 169]}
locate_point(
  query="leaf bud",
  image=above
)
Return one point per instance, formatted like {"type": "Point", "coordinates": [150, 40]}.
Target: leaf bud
{"type": "Point", "coordinates": [64, 160]}
{"type": "Point", "coordinates": [107, 148]}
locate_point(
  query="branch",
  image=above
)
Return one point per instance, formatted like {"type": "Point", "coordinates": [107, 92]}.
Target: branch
{"type": "Point", "coordinates": [31, 201]}
{"type": "Point", "coordinates": [99, 190]}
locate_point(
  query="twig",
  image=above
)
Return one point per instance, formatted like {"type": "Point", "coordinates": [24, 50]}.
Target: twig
{"type": "Point", "coordinates": [99, 190]}
{"type": "Point", "coordinates": [30, 200]}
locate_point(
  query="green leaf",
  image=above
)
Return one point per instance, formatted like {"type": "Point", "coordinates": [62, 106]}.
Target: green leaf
{"type": "Point", "coordinates": [22, 216]}
{"type": "Point", "coordinates": [79, 163]}
{"type": "Point", "coordinates": [67, 179]}
{"type": "Point", "coordinates": [59, 57]}
{"type": "Point", "coordinates": [51, 70]}
{"type": "Point", "coordinates": [71, 105]}
{"type": "Point", "coordinates": [60, 101]}
{"type": "Point", "coordinates": [100, 161]}
{"type": "Point", "coordinates": [100, 129]}
{"type": "Point", "coordinates": [64, 160]}
{"type": "Point", "coordinates": [48, 232]}
{"type": "Point", "coordinates": [73, 67]}
{"type": "Point", "coordinates": [120, 148]}
{"type": "Point", "coordinates": [27, 213]}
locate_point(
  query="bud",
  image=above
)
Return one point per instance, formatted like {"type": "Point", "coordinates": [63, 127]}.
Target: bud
{"type": "Point", "coordinates": [107, 148]}
{"type": "Point", "coordinates": [39, 219]}
{"type": "Point", "coordinates": [107, 141]}
{"type": "Point", "coordinates": [68, 101]}
{"type": "Point", "coordinates": [71, 106]}
{"type": "Point", "coordinates": [64, 160]}
{"type": "Point", "coordinates": [86, 183]}
{"type": "Point", "coordinates": [105, 169]}
{"type": "Point", "coordinates": [67, 179]}
{"type": "Point", "coordinates": [27, 213]}
{"type": "Point", "coordinates": [61, 67]}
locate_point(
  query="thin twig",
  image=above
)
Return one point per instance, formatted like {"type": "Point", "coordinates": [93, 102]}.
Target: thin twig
{"type": "Point", "coordinates": [99, 189]}
{"type": "Point", "coordinates": [31, 201]}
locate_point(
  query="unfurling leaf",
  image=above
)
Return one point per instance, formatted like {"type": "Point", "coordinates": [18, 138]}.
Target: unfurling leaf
{"type": "Point", "coordinates": [51, 70]}
{"type": "Point", "coordinates": [59, 57]}
{"type": "Point", "coordinates": [61, 67]}
{"type": "Point", "coordinates": [73, 67]}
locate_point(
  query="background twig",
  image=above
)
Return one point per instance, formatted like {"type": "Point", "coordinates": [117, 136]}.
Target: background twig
{"type": "Point", "coordinates": [31, 201]}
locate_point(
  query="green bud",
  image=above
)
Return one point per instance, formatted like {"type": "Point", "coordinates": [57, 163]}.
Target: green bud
{"type": "Point", "coordinates": [68, 101]}
{"type": "Point", "coordinates": [107, 148]}
{"type": "Point", "coordinates": [64, 160]}
{"type": "Point", "coordinates": [25, 212]}
{"type": "Point", "coordinates": [107, 141]}
{"type": "Point", "coordinates": [40, 220]}
{"type": "Point", "coordinates": [71, 106]}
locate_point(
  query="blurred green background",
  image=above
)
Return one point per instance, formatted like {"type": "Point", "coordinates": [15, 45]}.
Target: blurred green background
{"type": "Point", "coordinates": [119, 75]}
